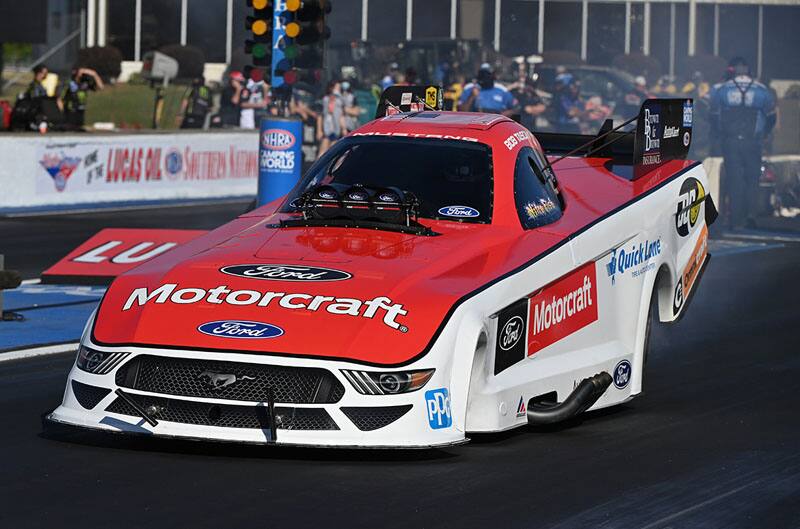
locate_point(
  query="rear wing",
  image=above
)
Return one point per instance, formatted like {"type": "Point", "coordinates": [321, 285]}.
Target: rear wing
{"type": "Point", "coordinates": [399, 99]}
{"type": "Point", "coordinates": [663, 132]}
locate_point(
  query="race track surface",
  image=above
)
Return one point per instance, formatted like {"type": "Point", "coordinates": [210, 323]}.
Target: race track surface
{"type": "Point", "coordinates": [712, 443]}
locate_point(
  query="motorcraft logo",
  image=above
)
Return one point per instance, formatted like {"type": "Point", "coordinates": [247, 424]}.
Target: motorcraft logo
{"type": "Point", "coordinates": [278, 272]}
{"type": "Point", "coordinates": [511, 333]}
{"type": "Point", "coordinates": [562, 308]}
{"type": "Point", "coordinates": [240, 329]}
{"type": "Point", "coordinates": [686, 215]}
{"type": "Point", "coordinates": [671, 132]}
{"type": "Point", "coordinates": [222, 295]}
{"type": "Point", "coordinates": [622, 260]}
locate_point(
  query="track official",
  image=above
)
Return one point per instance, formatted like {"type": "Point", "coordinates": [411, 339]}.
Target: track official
{"type": "Point", "coordinates": [742, 115]}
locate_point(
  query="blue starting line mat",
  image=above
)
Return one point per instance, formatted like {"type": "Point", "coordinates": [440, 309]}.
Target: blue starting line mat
{"type": "Point", "coordinates": [51, 314]}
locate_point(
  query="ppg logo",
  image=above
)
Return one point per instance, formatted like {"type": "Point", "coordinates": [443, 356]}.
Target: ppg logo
{"type": "Point", "coordinates": [438, 408]}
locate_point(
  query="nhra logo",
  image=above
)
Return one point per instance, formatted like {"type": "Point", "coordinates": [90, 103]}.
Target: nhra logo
{"type": "Point", "coordinates": [438, 408]}
{"type": "Point", "coordinates": [459, 211]}
{"type": "Point", "coordinates": [60, 168]}
{"type": "Point", "coordinates": [240, 329]}
{"type": "Point", "coordinates": [277, 139]}
{"type": "Point", "coordinates": [689, 202]}
{"type": "Point", "coordinates": [272, 272]}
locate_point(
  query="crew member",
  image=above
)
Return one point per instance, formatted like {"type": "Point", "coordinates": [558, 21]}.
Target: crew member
{"type": "Point", "coordinates": [196, 105]}
{"type": "Point", "coordinates": [742, 115]}
{"type": "Point", "coordinates": [76, 93]}
{"type": "Point", "coordinates": [36, 88]}
{"type": "Point", "coordinates": [486, 95]}
{"type": "Point", "coordinates": [568, 107]}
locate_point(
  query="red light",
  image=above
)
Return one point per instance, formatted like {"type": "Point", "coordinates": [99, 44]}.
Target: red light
{"type": "Point", "coordinates": [290, 77]}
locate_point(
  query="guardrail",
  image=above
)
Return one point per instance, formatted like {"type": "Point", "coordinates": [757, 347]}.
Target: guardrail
{"type": "Point", "coordinates": [93, 170]}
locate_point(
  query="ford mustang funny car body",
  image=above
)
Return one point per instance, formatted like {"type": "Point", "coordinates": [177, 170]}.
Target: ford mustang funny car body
{"type": "Point", "coordinates": [433, 274]}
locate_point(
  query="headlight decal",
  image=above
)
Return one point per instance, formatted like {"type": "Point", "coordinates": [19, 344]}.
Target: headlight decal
{"type": "Point", "coordinates": [98, 362]}
{"type": "Point", "coordinates": [387, 382]}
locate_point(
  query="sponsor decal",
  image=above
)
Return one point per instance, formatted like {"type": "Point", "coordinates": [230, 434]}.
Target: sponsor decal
{"type": "Point", "coordinates": [686, 215]}
{"type": "Point", "coordinates": [534, 210]}
{"type": "Point", "coordinates": [387, 197]}
{"type": "Point", "coordinates": [170, 293]}
{"type": "Point", "coordinates": [327, 195]}
{"type": "Point", "coordinates": [416, 135]}
{"type": "Point", "coordinates": [173, 163]}
{"type": "Point", "coordinates": [562, 308]}
{"type": "Point", "coordinates": [622, 374]}
{"type": "Point", "coordinates": [690, 273]}
{"type": "Point", "coordinates": [511, 334]}
{"type": "Point", "coordinates": [405, 98]}
{"type": "Point", "coordinates": [687, 113]}
{"type": "Point", "coordinates": [515, 139]}
{"type": "Point", "coordinates": [278, 272]}
{"type": "Point", "coordinates": [459, 211]}
{"type": "Point", "coordinates": [521, 411]}
{"type": "Point", "coordinates": [437, 406]}
{"type": "Point", "coordinates": [217, 381]}
{"type": "Point", "coordinates": [687, 139]}
{"type": "Point", "coordinates": [431, 96]}
{"type": "Point", "coordinates": [636, 255]}
{"type": "Point", "coordinates": [277, 139]}
{"type": "Point", "coordinates": [60, 167]}
{"type": "Point", "coordinates": [240, 329]}
{"type": "Point", "coordinates": [512, 323]}
{"type": "Point", "coordinates": [671, 132]}
{"type": "Point", "coordinates": [652, 136]}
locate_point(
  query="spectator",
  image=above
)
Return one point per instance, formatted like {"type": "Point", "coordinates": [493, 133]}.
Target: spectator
{"type": "Point", "coordinates": [253, 97]}
{"type": "Point", "coordinates": [531, 105]}
{"type": "Point", "coordinates": [36, 89]}
{"type": "Point", "coordinates": [331, 125]}
{"type": "Point", "coordinates": [76, 94]}
{"type": "Point", "coordinates": [391, 76]}
{"type": "Point", "coordinates": [351, 109]}
{"type": "Point", "coordinates": [742, 116]}
{"type": "Point", "coordinates": [568, 108]}
{"type": "Point", "coordinates": [230, 102]}
{"type": "Point", "coordinates": [195, 105]}
{"type": "Point", "coordinates": [486, 95]}
{"type": "Point", "coordinates": [632, 101]}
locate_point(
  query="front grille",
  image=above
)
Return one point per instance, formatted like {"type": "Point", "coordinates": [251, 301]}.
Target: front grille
{"type": "Point", "coordinates": [371, 418]}
{"type": "Point", "coordinates": [234, 380]}
{"type": "Point", "coordinates": [88, 396]}
{"type": "Point", "coordinates": [225, 415]}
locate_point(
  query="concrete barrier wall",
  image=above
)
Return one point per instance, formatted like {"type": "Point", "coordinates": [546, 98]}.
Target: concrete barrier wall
{"type": "Point", "coordinates": [59, 171]}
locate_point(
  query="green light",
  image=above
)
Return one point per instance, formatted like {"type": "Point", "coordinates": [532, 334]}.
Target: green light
{"type": "Point", "coordinates": [259, 51]}
{"type": "Point", "coordinates": [290, 52]}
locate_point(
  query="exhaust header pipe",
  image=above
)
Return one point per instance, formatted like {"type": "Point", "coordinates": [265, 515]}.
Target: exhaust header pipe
{"type": "Point", "coordinates": [581, 399]}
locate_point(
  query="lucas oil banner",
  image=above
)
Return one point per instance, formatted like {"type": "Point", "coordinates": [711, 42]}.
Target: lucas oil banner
{"type": "Point", "coordinates": [280, 157]}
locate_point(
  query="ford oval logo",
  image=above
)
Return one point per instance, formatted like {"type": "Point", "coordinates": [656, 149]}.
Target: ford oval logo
{"type": "Point", "coordinates": [279, 272]}
{"type": "Point", "coordinates": [459, 211]}
{"type": "Point", "coordinates": [240, 329]}
{"type": "Point", "coordinates": [277, 139]}
{"type": "Point", "coordinates": [511, 333]}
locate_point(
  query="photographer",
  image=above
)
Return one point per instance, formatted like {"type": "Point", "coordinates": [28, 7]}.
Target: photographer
{"type": "Point", "coordinates": [195, 105]}
{"type": "Point", "coordinates": [76, 93]}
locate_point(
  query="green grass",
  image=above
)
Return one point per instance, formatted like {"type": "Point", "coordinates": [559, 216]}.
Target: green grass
{"type": "Point", "coordinates": [131, 106]}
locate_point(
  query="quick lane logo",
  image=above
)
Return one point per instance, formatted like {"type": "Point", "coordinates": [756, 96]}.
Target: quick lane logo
{"type": "Point", "coordinates": [562, 308]}
{"type": "Point", "coordinates": [622, 260]}
{"type": "Point", "coordinates": [222, 294]}
{"type": "Point", "coordinates": [686, 215]}
{"type": "Point", "coordinates": [240, 329]}
{"type": "Point", "coordinates": [438, 408]}
{"type": "Point", "coordinates": [280, 272]}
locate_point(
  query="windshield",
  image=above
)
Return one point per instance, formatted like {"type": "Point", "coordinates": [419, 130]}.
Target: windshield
{"type": "Point", "coordinates": [452, 179]}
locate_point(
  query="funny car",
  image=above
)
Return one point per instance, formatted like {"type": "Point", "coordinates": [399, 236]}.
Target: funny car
{"type": "Point", "coordinates": [433, 274]}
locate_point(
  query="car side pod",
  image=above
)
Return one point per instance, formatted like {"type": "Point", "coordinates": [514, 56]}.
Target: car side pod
{"type": "Point", "coordinates": [581, 399]}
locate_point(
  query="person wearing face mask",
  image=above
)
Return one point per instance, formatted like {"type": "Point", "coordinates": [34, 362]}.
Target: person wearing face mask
{"type": "Point", "coordinates": [351, 109]}
{"type": "Point", "coordinates": [487, 95]}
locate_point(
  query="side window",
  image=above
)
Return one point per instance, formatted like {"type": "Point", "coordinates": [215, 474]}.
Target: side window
{"type": "Point", "coordinates": [535, 195]}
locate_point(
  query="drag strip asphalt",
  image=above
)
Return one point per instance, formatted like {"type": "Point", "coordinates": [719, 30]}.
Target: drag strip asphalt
{"type": "Point", "coordinates": [713, 442]}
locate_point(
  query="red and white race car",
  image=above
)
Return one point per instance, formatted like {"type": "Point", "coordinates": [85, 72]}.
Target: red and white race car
{"type": "Point", "coordinates": [430, 276]}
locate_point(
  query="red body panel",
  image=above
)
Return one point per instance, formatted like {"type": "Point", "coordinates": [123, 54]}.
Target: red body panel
{"type": "Point", "coordinates": [425, 275]}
